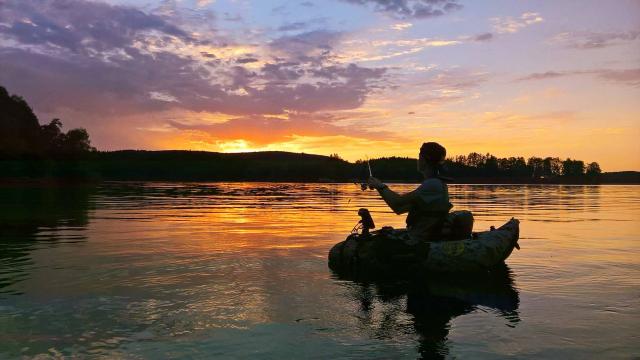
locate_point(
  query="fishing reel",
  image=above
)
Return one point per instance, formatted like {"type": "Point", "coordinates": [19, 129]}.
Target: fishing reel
{"type": "Point", "coordinates": [365, 223]}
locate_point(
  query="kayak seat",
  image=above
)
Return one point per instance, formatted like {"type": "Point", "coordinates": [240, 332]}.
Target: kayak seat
{"type": "Point", "coordinates": [458, 226]}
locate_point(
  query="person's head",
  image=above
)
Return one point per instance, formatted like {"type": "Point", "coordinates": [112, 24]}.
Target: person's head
{"type": "Point", "coordinates": [431, 156]}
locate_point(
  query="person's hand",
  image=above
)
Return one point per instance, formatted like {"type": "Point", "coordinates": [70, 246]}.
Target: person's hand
{"type": "Point", "coordinates": [375, 183]}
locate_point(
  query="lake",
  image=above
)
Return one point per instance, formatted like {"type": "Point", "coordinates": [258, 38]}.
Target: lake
{"type": "Point", "coordinates": [227, 270]}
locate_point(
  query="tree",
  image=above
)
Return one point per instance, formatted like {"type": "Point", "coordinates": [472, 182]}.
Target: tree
{"type": "Point", "coordinates": [475, 160]}
{"type": "Point", "coordinates": [572, 167]}
{"type": "Point", "coordinates": [491, 164]}
{"type": "Point", "coordinates": [19, 127]}
{"type": "Point", "coordinates": [551, 167]}
{"type": "Point", "coordinates": [593, 169]}
{"type": "Point", "coordinates": [51, 136]}
{"type": "Point", "coordinates": [536, 166]}
{"type": "Point", "coordinates": [76, 141]}
{"type": "Point", "coordinates": [22, 135]}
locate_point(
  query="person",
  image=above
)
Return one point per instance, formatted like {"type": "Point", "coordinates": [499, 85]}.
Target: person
{"type": "Point", "coordinates": [428, 205]}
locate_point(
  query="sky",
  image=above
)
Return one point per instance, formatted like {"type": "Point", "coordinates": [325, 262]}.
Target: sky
{"type": "Point", "coordinates": [360, 78]}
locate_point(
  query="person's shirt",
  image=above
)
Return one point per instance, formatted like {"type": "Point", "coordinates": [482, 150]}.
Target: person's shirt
{"type": "Point", "coordinates": [428, 210]}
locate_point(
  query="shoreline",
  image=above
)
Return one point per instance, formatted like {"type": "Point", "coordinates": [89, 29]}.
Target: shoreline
{"type": "Point", "coordinates": [62, 182]}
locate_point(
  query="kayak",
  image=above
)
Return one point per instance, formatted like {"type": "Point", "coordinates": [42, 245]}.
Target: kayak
{"type": "Point", "coordinates": [385, 250]}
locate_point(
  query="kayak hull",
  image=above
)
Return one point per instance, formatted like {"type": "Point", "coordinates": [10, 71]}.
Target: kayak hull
{"type": "Point", "coordinates": [384, 250]}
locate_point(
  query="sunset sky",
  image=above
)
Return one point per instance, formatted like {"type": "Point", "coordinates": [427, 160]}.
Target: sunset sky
{"type": "Point", "coordinates": [354, 77]}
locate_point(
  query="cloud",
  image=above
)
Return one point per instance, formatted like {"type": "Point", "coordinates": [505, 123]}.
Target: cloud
{"type": "Point", "coordinates": [594, 40]}
{"type": "Point", "coordinates": [411, 9]}
{"type": "Point", "coordinates": [298, 25]}
{"type": "Point", "coordinates": [246, 60]}
{"type": "Point", "coordinates": [232, 18]}
{"type": "Point", "coordinates": [510, 25]}
{"type": "Point", "coordinates": [124, 61]}
{"type": "Point", "coordinates": [283, 72]}
{"type": "Point", "coordinates": [447, 85]}
{"type": "Point", "coordinates": [401, 26]}
{"type": "Point", "coordinates": [483, 37]}
{"type": "Point", "coordinates": [512, 119]}
{"type": "Point", "coordinates": [123, 87]}
{"type": "Point", "coordinates": [203, 3]}
{"type": "Point", "coordinates": [545, 75]}
{"type": "Point", "coordinates": [261, 130]}
{"type": "Point", "coordinates": [280, 10]}
{"type": "Point", "coordinates": [629, 77]}
{"type": "Point", "coordinates": [306, 46]}
{"type": "Point", "coordinates": [131, 73]}
{"type": "Point", "coordinates": [81, 26]}
{"type": "Point", "coordinates": [162, 96]}
{"type": "Point", "coordinates": [376, 50]}
{"type": "Point", "coordinates": [302, 25]}
{"type": "Point", "coordinates": [434, 86]}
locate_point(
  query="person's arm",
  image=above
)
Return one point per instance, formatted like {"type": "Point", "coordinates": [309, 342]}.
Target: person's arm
{"type": "Point", "coordinates": [399, 203]}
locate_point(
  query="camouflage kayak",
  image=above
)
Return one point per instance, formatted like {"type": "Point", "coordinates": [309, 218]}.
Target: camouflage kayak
{"type": "Point", "coordinates": [386, 250]}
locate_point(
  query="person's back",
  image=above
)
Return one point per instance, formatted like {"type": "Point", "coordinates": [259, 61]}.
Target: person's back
{"type": "Point", "coordinates": [428, 210]}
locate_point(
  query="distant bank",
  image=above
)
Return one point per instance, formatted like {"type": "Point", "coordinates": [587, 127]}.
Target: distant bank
{"type": "Point", "coordinates": [139, 165]}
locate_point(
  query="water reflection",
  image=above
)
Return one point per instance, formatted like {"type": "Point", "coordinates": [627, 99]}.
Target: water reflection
{"type": "Point", "coordinates": [33, 217]}
{"type": "Point", "coordinates": [432, 303]}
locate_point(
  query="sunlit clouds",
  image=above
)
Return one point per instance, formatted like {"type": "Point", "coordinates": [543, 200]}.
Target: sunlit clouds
{"type": "Point", "coordinates": [512, 24]}
{"type": "Point", "coordinates": [352, 77]}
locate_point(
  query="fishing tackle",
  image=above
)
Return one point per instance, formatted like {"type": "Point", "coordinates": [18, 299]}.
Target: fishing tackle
{"type": "Point", "coordinates": [365, 223]}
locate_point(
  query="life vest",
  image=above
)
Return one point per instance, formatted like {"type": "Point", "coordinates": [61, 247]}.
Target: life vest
{"type": "Point", "coordinates": [427, 218]}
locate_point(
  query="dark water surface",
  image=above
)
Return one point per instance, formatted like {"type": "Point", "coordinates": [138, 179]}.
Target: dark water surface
{"type": "Point", "coordinates": [169, 270]}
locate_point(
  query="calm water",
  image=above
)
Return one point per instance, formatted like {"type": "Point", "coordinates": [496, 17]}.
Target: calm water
{"type": "Point", "coordinates": [155, 270]}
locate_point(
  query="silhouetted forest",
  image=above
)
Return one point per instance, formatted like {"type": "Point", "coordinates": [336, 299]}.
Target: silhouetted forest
{"type": "Point", "coordinates": [22, 136]}
{"type": "Point", "coordinates": [31, 150]}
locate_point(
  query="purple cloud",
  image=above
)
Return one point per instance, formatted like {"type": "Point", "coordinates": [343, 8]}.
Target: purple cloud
{"type": "Point", "coordinates": [247, 60]}
{"type": "Point", "coordinates": [79, 25]}
{"type": "Point", "coordinates": [483, 37]}
{"type": "Point", "coordinates": [298, 25]}
{"type": "Point", "coordinates": [302, 25]}
{"type": "Point", "coordinates": [411, 9]}
{"type": "Point", "coordinates": [629, 77]}
{"type": "Point", "coordinates": [118, 60]}
{"type": "Point", "coordinates": [544, 75]}
{"type": "Point", "coordinates": [312, 46]}
{"type": "Point", "coordinates": [595, 40]}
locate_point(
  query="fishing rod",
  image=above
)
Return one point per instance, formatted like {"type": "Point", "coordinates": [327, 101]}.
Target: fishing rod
{"type": "Point", "coordinates": [364, 185]}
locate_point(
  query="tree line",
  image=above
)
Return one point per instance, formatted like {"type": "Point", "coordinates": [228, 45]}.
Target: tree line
{"type": "Point", "coordinates": [22, 136]}
{"type": "Point", "coordinates": [476, 164]}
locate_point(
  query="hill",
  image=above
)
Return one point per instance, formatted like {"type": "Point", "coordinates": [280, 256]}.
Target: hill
{"type": "Point", "coordinates": [621, 177]}
{"type": "Point", "coordinates": [213, 166]}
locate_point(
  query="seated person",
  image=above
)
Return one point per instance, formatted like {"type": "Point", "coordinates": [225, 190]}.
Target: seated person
{"type": "Point", "coordinates": [428, 205]}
